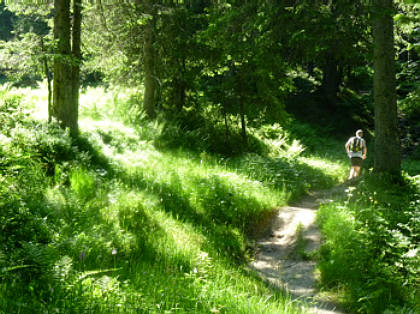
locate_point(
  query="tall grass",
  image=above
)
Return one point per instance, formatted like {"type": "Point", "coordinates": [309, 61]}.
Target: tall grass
{"type": "Point", "coordinates": [371, 246]}
{"type": "Point", "coordinates": [116, 221]}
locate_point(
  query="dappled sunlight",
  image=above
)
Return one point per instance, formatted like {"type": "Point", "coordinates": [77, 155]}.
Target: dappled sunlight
{"type": "Point", "coordinates": [35, 100]}
{"type": "Point", "coordinates": [147, 223]}
{"type": "Point", "coordinates": [328, 167]}
{"type": "Point", "coordinates": [103, 103]}
{"type": "Point", "coordinates": [55, 197]}
{"type": "Point", "coordinates": [162, 166]}
{"type": "Point", "coordinates": [147, 146]}
{"type": "Point", "coordinates": [89, 125]}
{"type": "Point", "coordinates": [138, 158]}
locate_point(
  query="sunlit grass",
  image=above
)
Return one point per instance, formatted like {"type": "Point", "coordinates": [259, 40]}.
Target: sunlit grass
{"type": "Point", "coordinates": [337, 169]}
{"type": "Point", "coordinates": [162, 230]}
{"type": "Point", "coordinates": [35, 101]}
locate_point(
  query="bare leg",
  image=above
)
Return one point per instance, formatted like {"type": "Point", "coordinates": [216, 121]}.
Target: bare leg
{"type": "Point", "coordinates": [352, 173]}
{"type": "Point", "coordinates": [356, 171]}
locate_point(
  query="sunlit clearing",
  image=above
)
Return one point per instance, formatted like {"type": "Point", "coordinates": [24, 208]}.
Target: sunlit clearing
{"type": "Point", "coordinates": [88, 124]}
{"type": "Point", "coordinates": [34, 100]}
{"type": "Point", "coordinates": [327, 167]}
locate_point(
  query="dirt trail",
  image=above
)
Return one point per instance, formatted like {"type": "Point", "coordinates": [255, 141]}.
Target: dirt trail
{"type": "Point", "coordinates": [278, 260]}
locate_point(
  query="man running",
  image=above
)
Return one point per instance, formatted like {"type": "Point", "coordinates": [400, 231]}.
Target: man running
{"type": "Point", "coordinates": [356, 150]}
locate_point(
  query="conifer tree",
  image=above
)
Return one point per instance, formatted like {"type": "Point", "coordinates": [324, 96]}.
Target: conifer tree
{"type": "Point", "coordinates": [387, 145]}
{"type": "Point", "coordinates": [67, 64]}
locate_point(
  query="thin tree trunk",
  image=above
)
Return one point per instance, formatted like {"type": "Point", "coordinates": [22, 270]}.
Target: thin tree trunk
{"type": "Point", "coordinates": [387, 145]}
{"type": "Point", "coordinates": [77, 56]}
{"type": "Point", "coordinates": [180, 88]}
{"type": "Point", "coordinates": [243, 122]}
{"type": "Point", "coordinates": [62, 81]}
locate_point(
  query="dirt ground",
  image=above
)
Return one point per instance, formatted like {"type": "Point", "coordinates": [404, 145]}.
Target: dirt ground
{"type": "Point", "coordinates": [285, 256]}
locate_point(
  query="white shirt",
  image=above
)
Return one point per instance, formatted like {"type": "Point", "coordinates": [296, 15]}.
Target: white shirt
{"type": "Point", "coordinates": [362, 144]}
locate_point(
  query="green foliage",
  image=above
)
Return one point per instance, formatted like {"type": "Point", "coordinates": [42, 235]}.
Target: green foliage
{"type": "Point", "coordinates": [27, 223]}
{"type": "Point", "coordinates": [24, 56]}
{"type": "Point", "coordinates": [6, 25]}
{"type": "Point", "coordinates": [156, 213]}
{"type": "Point", "coordinates": [203, 132]}
{"type": "Point", "coordinates": [107, 221]}
{"type": "Point", "coordinates": [411, 167]}
{"type": "Point", "coordinates": [83, 184]}
{"type": "Point", "coordinates": [408, 83]}
{"type": "Point", "coordinates": [371, 246]}
{"type": "Point", "coordinates": [34, 156]}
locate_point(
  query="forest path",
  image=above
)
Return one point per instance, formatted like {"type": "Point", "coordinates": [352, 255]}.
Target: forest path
{"type": "Point", "coordinates": [284, 255]}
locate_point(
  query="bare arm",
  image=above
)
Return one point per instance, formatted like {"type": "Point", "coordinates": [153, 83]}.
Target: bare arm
{"type": "Point", "coordinates": [347, 146]}
{"type": "Point", "coordinates": [364, 151]}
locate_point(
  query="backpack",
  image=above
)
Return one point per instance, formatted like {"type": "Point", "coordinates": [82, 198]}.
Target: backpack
{"type": "Point", "coordinates": [356, 144]}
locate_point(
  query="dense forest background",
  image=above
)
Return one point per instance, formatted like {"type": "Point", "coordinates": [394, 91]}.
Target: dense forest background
{"type": "Point", "coordinates": [168, 131]}
{"type": "Point", "coordinates": [261, 62]}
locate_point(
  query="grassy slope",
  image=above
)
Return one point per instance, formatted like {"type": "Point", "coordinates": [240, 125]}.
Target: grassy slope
{"type": "Point", "coordinates": [146, 228]}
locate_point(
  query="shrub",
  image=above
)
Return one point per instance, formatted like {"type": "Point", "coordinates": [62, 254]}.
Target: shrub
{"type": "Point", "coordinates": [83, 184]}
{"type": "Point", "coordinates": [33, 157]}
{"type": "Point", "coordinates": [372, 243]}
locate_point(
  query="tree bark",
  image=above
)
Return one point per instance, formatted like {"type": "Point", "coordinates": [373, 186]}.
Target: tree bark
{"type": "Point", "coordinates": [63, 104]}
{"type": "Point", "coordinates": [77, 58]}
{"type": "Point", "coordinates": [387, 144]}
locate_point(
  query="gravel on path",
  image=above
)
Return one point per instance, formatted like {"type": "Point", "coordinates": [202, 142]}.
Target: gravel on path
{"type": "Point", "coordinates": [278, 260]}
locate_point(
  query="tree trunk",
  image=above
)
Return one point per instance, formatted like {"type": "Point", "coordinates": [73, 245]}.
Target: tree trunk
{"type": "Point", "coordinates": [149, 81]}
{"type": "Point", "coordinates": [387, 145]}
{"type": "Point", "coordinates": [77, 57]}
{"type": "Point", "coordinates": [178, 92]}
{"type": "Point", "coordinates": [243, 122]}
{"type": "Point", "coordinates": [63, 105]}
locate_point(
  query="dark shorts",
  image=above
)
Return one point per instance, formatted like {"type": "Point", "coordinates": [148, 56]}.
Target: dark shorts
{"type": "Point", "coordinates": [356, 161]}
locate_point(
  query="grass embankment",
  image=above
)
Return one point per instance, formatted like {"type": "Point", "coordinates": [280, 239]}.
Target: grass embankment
{"type": "Point", "coordinates": [371, 250]}
{"type": "Point", "coordinates": [119, 220]}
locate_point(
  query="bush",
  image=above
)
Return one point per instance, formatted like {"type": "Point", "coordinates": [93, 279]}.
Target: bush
{"type": "Point", "coordinates": [192, 131]}
{"type": "Point", "coordinates": [371, 245]}
{"type": "Point", "coordinates": [83, 184]}
{"type": "Point", "coordinates": [34, 156]}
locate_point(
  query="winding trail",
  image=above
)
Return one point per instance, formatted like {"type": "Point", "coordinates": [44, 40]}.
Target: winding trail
{"type": "Point", "coordinates": [283, 264]}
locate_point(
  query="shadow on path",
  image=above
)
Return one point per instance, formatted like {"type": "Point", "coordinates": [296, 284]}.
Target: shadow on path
{"type": "Point", "coordinates": [282, 261]}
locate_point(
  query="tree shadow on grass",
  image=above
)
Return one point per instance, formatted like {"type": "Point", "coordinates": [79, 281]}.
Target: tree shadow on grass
{"type": "Point", "coordinates": [217, 213]}
{"type": "Point", "coordinates": [215, 219]}
{"type": "Point", "coordinates": [140, 265]}
{"type": "Point", "coordinates": [97, 158]}
{"type": "Point", "coordinates": [283, 174]}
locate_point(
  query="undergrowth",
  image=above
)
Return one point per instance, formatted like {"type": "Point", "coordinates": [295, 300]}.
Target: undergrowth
{"type": "Point", "coordinates": [371, 249]}
{"type": "Point", "coordinates": [118, 220]}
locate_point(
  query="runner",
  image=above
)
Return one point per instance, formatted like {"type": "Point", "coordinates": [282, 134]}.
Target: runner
{"type": "Point", "coordinates": [356, 150]}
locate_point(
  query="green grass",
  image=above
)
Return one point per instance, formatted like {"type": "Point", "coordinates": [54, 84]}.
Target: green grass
{"type": "Point", "coordinates": [117, 222]}
{"type": "Point", "coordinates": [370, 252]}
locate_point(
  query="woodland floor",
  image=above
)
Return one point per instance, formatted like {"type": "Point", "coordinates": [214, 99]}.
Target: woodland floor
{"type": "Point", "coordinates": [285, 257]}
